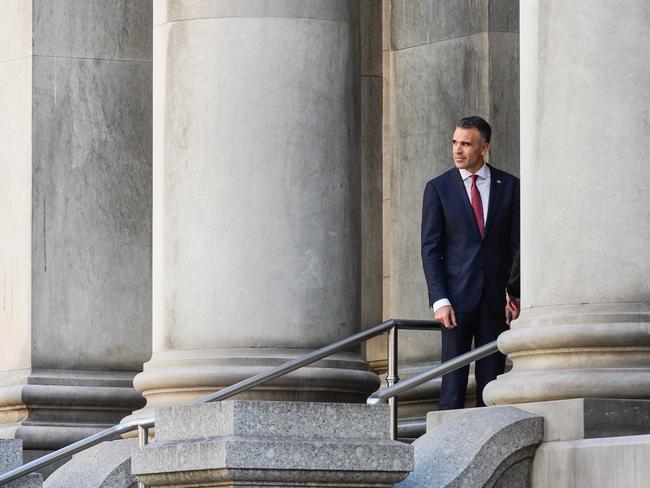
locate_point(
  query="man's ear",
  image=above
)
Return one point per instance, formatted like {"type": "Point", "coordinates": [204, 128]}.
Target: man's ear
{"type": "Point", "coordinates": [484, 148]}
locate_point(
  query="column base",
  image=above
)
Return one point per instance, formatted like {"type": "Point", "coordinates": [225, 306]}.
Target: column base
{"type": "Point", "coordinates": [179, 377]}
{"type": "Point", "coordinates": [48, 409]}
{"type": "Point", "coordinates": [586, 351]}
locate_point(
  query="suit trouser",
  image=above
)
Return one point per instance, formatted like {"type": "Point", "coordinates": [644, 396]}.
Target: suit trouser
{"type": "Point", "coordinates": [483, 325]}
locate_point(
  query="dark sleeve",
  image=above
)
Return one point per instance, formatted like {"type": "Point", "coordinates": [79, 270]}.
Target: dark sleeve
{"type": "Point", "coordinates": [514, 280]}
{"type": "Point", "coordinates": [432, 233]}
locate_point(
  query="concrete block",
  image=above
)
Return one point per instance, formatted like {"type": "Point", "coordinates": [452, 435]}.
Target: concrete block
{"type": "Point", "coordinates": [579, 418]}
{"type": "Point", "coordinates": [107, 465]}
{"type": "Point", "coordinates": [11, 454]}
{"type": "Point", "coordinates": [309, 444]}
{"type": "Point", "coordinates": [29, 481]}
{"type": "Point", "coordinates": [476, 449]}
{"type": "Point", "coordinates": [588, 418]}
{"type": "Point", "coordinates": [242, 418]}
{"type": "Point", "coordinates": [11, 457]}
{"type": "Point", "coordinates": [613, 462]}
{"type": "Point", "coordinates": [30, 455]}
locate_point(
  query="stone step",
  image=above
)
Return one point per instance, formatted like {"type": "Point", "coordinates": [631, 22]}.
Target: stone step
{"type": "Point", "coordinates": [480, 448]}
{"type": "Point", "coordinates": [604, 462]}
{"type": "Point", "coordinates": [11, 457]}
{"type": "Point", "coordinates": [255, 443]}
{"type": "Point", "coordinates": [250, 418]}
{"type": "Point", "coordinates": [11, 454]}
{"type": "Point", "coordinates": [578, 418]}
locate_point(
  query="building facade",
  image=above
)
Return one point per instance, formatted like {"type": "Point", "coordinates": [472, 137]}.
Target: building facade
{"type": "Point", "coordinates": [195, 191]}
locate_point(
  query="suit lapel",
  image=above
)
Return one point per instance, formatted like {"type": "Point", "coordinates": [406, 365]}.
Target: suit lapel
{"type": "Point", "coordinates": [495, 196]}
{"type": "Point", "coordinates": [458, 189]}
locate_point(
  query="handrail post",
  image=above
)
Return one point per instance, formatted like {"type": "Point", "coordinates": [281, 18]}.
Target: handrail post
{"type": "Point", "coordinates": [380, 396]}
{"type": "Point", "coordinates": [392, 378]}
{"type": "Point", "coordinates": [143, 440]}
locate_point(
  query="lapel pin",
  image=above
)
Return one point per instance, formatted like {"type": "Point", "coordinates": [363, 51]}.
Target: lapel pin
{"type": "Point", "coordinates": [499, 181]}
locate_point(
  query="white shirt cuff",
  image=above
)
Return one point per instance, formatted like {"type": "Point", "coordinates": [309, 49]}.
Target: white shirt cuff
{"type": "Point", "coordinates": [443, 302]}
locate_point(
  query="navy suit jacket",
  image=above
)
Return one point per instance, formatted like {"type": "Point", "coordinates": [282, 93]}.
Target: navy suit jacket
{"type": "Point", "coordinates": [458, 263]}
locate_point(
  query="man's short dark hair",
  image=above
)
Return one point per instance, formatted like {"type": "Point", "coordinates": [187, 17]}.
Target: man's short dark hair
{"type": "Point", "coordinates": [478, 123]}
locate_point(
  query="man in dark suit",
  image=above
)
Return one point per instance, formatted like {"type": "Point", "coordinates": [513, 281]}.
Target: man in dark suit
{"type": "Point", "coordinates": [470, 234]}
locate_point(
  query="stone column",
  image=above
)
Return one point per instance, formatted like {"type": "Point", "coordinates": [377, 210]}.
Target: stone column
{"type": "Point", "coordinates": [75, 207]}
{"type": "Point", "coordinates": [447, 60]}
{"type": "Point", "coordinates": [586, 205]}
{"type": "Point", "coordinates": [256, 198]}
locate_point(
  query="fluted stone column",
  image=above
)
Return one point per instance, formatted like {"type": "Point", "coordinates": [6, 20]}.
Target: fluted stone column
{"type": "Point", "coordinates": [585, 330]}
{"type": "Point", "coordinates": [256, 197]}
{"type": "Point", "coordinates": [75, 213]}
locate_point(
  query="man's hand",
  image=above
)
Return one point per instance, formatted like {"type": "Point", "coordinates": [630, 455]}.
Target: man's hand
{"type": "Point", "coordinates": [447, 316]}
{"type": "Point", "coordinates": [513, 308]}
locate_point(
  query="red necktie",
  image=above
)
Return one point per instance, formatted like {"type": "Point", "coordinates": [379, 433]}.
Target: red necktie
{"type": "Point", "coordinates": [477, 206]}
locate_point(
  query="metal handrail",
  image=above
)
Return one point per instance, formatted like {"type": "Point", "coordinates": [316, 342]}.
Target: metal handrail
{"type": "Point", "coordinates": [391, 392]}
{"type": "Point", "coordinates": [144, 424]}
{"type": "Point", "coordinates": [314, 356]}
{"type": "Point", "coordinates": [74, 448]}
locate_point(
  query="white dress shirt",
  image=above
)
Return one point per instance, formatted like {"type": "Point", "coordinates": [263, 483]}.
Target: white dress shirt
{"type": "Point", "coordinates": [483, 184]}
